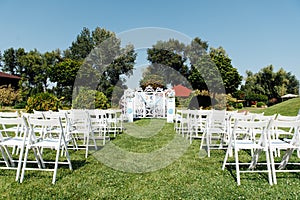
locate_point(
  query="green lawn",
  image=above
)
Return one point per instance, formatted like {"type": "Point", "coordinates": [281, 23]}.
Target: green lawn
{"type": "Point", "coordinates": [288, 107]}
{"type": "Point", "coordinates": [189, 176]}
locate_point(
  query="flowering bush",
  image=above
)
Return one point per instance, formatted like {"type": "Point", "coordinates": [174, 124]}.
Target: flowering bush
{"type": "Point", "coordinates": [9, 96]}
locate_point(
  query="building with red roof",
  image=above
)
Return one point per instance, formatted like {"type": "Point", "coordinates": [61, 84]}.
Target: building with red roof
{"type": "Point", "coordinates": [181, 91]}
{"type": "Point", "coordinates": [8, 79]}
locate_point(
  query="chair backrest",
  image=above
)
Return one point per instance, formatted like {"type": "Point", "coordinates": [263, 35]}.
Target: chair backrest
{"type": "Point", "coordinates": [47, 126]}
{"type": "Point", "coordinates": [259, 117]}
{"type": "Point", "coordinates": [287, 118]}
{"type": "Point", "coordinates": [252, 128]}
{"type": "Point", "coordinates": [9, 114]}
{"type": "Point", "coordinates": [78, 119]}
{"type": "Point", "coordinates": [63, 117]}
{"type": "Point", "coordinates": [291, 127]}
{"type": "Point", "coordinates": [10, 125]}
{"type": "Point", "coordinates": [217, 119]}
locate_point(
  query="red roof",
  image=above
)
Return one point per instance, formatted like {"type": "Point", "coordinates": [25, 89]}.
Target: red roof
{"type": "Point", "coordinates": [5, 75]}
{"type": "Point", "coordinates": [181, 91]}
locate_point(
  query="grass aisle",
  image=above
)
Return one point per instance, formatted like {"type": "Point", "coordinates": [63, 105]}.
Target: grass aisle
{"type": "Point", "coordinates": [187, 177]}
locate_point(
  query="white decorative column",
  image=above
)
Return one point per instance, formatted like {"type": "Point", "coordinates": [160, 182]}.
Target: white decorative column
{"type": "Point", "coordinates": [170, 105]}
{"type": "Point", "coordinates": [129, 95]}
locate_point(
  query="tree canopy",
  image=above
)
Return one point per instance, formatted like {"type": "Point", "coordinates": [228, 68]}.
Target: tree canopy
{"type": "Point", "coordinates": [192, 64]}
{"type": "Point", "coordinates": [95, 60]}
{"type": "Point", "coordinates": [269, 83]}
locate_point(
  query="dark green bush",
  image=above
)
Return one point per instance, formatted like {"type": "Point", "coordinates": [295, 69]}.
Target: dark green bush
{"type": "Point", "coordinates": [20, 105]}
{"type": "Point", "coordinates": [260, 104]}
{"type": "Point", "coordinates": [256, 97]}
{"type": "Point", "coordinates": [43, 102]}
{"type": "Point", "coordinates": [239, 105]}
{"type": "Point", "coordinates": [90, 99]}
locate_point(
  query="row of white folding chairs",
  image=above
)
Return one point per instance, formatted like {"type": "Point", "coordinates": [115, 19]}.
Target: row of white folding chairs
{"type": "Point", "coordinates": [264, 141]}
{"type": "Point", "coordinates": [36, 134]}
{"type": "Point", "coordinates": [113, 118]}
{"type": "Point", "coordinates": [208, 125]}
{"type": "Point", "coordinates": [95, 125]}
{"type": "Point", "coordinates": [216, 125]}
{"type": "Point", "coordinates": [89, 125]}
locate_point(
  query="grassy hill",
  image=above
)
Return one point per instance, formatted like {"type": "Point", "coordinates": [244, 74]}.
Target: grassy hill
{"type": "Point", "coordinates": [288, 107]}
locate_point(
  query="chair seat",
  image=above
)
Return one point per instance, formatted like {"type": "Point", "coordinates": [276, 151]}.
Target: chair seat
{"type": "Point", "coordinates": [215, 130]}
{"type": "Point", "coordinates": [47, 143]}
{"type": "Point", "coordinates": [16, 141]}
{"type": "Point", "coordinates": [246, 144]}
{"type": "Point", "coordinates": [11, 129]}
{"type": "Point", "coordinates": [281, 144]}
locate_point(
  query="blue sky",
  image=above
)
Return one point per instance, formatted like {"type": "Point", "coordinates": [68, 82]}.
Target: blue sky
{"type": "Point", "coordinates": [253, 33]}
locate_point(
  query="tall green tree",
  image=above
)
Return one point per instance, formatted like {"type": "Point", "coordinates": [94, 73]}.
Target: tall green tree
{"type": "Point", "coordinates": [103, 60]}
{"type": "Point", "coordinates": [0, 60]}
{"type": "Point", "coordinates": [64, 73]}
{"type": "Point", "coordinates": [168, 60]}
{"type": "Point", "coordinates": [35, 71]}
{"type": "Point", "coordinates": [196, 49]}
{"type": "Point", "coordinates": [196, 66]}
{"type": "Point", "coordinates": [81, 47]}
{"type": "Point", "coordinates": [230, 76]}
{"type": "Point", "coordinates": [11, 60]}
{"type": "Point", "coordinates": [270, 83]}
{"type": "Point", "coordinates": [293, 84]}
{"type": "Point", "coordinates": [86, 41]}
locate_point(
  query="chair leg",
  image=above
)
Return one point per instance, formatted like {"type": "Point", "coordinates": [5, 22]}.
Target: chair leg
{"type": "Point", "coordinates": [226, 157]}
{"type": "Point", "coordinates": [87, 145]}
{"type": "Point", "coordinates": [273, 169]}
{"type": "Point", "coordinates": [20, 163]}
{"type": "Point", "coordinates": [104, 137]}
{"type": "Point", "coordinates": [208, 144]}
{"type": "Point", "coordinates": [24, 165]}
{"type": "Point", "coordinates": [55, 165]}
{"type": "Point", "coordinates": [94, 140]}
{"type": "Point", "coordinates": [38, 155]}
{"type": "Point", "coordinates": [237, 167]}
{"type": "Point", "coordinates": [67, 154]}
{"type": "Point", "coordinates": [5, 153]}
{"type": "Point", "coordinates": [269, 167]}
{"type": "Point", "coordinates": [202, 140]}
{"type": "Point", "coordinates": [190, 137]}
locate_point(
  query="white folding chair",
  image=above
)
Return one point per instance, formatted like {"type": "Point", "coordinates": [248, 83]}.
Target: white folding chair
{"type": "Point", "coordinates": [81, 128]}
{"type": "Point", "coordinates": [9, 114]}
{"type": "Point", "coordinates": [184, 122]}
{"type": "Point", "coordinates": [48, 141]}
{"type": "Point", "coordinates": [100, 127]}
{"type": "Point", "coordinates": [197, 123]}
{"type": "Point", "coordinates": [119, 120]}
{"type": "Point", "coordinates": [233, 117]}
{"type": "Point", "coordinates": [63, 115]}
{"type": "Point", "coordinates": [177, 120]}
{"type": "Point", "coordinates": [216, 130]}
{"type": "Point", "coordinates": [18, 140]}
{"type": "Point", "coordinates": [289, 146]}
{"type": "Point", "coordinates": [239, 142]}
{"type": "Point", "coordinates": [111, 119]}
{"type": "Point", "coordinates": [284, 132]}
{"type": "Point", "coordinates": [10, 124]}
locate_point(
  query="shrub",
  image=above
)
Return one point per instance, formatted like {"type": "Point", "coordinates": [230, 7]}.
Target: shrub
{"type": "Point", "coordinates": [8, 96]}
{"type": "Point", "coordinates": [260, 104]}
{"type": "Point", "coordinates": [256, 97]}
{"type": "Point", "coordinates": [20, 105]}
{"type": "Point", "coordinates": [43, 102]}
{"type": "Point", "coordinates": [239, 105]}
{"type": "Point", "coordinates": [90, 99]}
